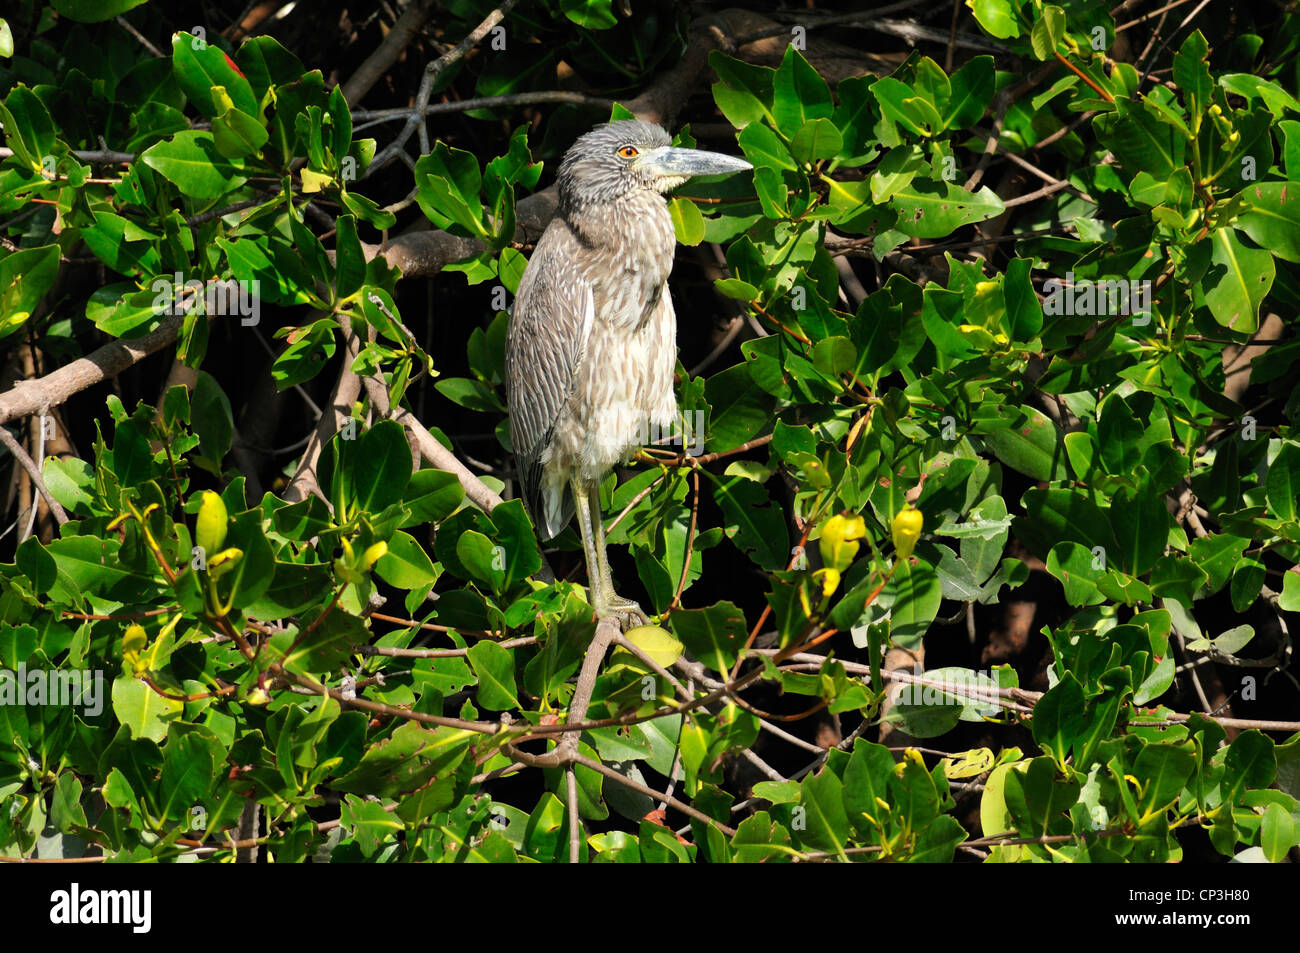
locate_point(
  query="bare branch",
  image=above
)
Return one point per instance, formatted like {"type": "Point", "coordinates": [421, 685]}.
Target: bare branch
{"type": "Point", "coordinates": [34, 472]}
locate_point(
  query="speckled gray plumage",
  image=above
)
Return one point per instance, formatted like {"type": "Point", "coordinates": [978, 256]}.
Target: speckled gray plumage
{"type": "Point", "coordinates": [592, 339]}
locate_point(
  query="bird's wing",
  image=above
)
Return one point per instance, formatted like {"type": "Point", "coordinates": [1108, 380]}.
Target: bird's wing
{"type": "Point", "coordinates": [549, 326]}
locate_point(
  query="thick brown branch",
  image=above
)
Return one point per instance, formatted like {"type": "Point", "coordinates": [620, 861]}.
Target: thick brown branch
{"type": "Point", "coordinates": [37, 396]}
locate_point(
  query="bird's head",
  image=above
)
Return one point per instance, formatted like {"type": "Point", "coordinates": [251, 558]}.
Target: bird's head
{"type": "Point", "coordinates": [631, 154]}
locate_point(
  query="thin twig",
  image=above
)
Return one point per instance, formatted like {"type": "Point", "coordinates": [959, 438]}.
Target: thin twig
{"type": "Point", "coordinates": [571, 785]}
{"type": "Point", "coordinates": [485, 102]}
{"type": "Point", "coordinates": [28, 464]}
{"type": "Point", "coordinates": [431, 73]}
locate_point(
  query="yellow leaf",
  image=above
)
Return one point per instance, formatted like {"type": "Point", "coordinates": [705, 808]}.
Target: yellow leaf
{"type": "Point", "coordinates": [659, 644]}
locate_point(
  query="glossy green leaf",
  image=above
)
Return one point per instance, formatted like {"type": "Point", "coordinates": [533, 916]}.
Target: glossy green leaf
{"type": "Point", "coordinates": [1238, 280]}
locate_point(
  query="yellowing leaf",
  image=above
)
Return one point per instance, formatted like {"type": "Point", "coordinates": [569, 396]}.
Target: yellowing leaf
{"type": "Point", "coordinates": [971, 763]}
{"type": "Point", "coordinates": [659, 644]}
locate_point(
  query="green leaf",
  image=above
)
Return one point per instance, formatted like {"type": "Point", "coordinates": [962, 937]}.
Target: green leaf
{"type": "Point", "coordinates": [66, 811]}
{"type": "Point", "coordinates": [902, 104]}
{"type": "Point", "coordinates": [327, 640]}
{"type": "Point", "coordinates": [469, 393]}
{"type": "Point", "coordinates": [212, 418]}
{"type": "Point", "coordinates": [1060, 717]}
{"type": "Point", "coordinates": [590, 14]}
{"type": "Point", "coordinates": [91, 564]}
{"type": "Point", "coordinates": [270, 265]}
{"type": "Point", "coordinates": [931, 209]}
{"type": "Point", "coordinates": [1277, 833]}
{"type": "Point", "coordinates": [510, 268]}
{"type": "Point", "coordinates": [1157, 683]}
{"type": "Point", "coordinates": [759, 839]}
{"type": "Point", "coordinates": [186, 774]}
{"type": "Point", "coordinates": [753, 523]}
{"type": "Point", "coordinates": [1033, 445]}
{"type": "Point", "coordinates": [764, 148]}
{"type": "Point", "coordinates": [855, 117]}
{"type": "Point", "coordinates": [432, 496]}
{"type": "Point", "coordinates": [266, 63]}
{"type": "Point", "coordinates": [737, 289]}
{"type": "Point", "coordinates": [713, 635]}
{"type": "Point", "coordinates": [199, 67]}
{"type": "Point", "coordinates": [1141, 528]}
{"type": "Point", "coordinates": [1272, 217]}
{"type": "Point", "coordinates": [1289, 599]}
{"type": "Point", "coordinates": [495, 668]}
{"type": "Point", "coordinates": [25, 277]}
{"type": "Point", "coordinates": [143, 711]}
{"type": "Point", "coordinates": [688, 223]}
{"type": "Point", "coordinates": [995, 819]}
{"type": "Point", "coordinates": [29, 129]}
{"type": "Point", "coordinates": [112, 240]}
{"type": "Point", "coordinates": [997, 17]}
{"type": "Point", "coordinates": [350, 261]}
{"type": "Point", "coordinates": [406, 761]}
{"type": "Point", "coordinates": [94, 11]}
{"type": "Point", "coordinates": [368, 823]}
{"type": "Point", "coordinates": [515, 533]}
{"type": "Point", "coordinates": [1237, 282]}
{"type": "Point", "coordinates": [1164, 769]}
{"type": "Point", "coordinates": [1247, 582]}
{"type": "Point", "coordinates": [799, 93]}
{"type": "Point", "coordinates": [126, 315]}
{"type": "Point", "coordinates": [1250, 762]}
{"type": "Point", "coordinates": [484, 560]}
{"type": "Point", "coordinates": [193, 163]}
{"type": "Point", "coordinates": [924, 713]}
{"type": "Point", "coordinates": [294, 588]}
{"type": "Point", "coordinates": [1054, 515]}
{"type": "Point", "coordinates": [1249, 86]}
{"type": "Point", "coordinates": [1047, 31]}
{"type": "Point", "coordinates": [1076, 567]}
{"type": "Point", "coordinates": [406, 565]}
{"type": "Point", "coordinates": [591, 804]}
{"type": "Point", "coordinates": [915, 594]}
{"type": "Point", "coordinates": [36, 564]}
{"type": "Point", "coordinates": [1141, 142]}
{"type": "Point", "coordinates": [739, 410]}
{"type": "Point", "coordinates": [238, 134]}
{"type": "Point", "coordinates": [1192, 73]}
{"type": "Point", "coordinates": [304, 357]}
{"type": "Point", "coordinates": [448, 183]}
{"type": "Point", "coordinates": [972, 91]}
{"type": "Point", "coordinates": [1024, 312]}
{"type": "Point", "coordinates": [132, 456]}
{"type": "Point", "coordinates": [821, 795]}
{"type": "Point", "coordinates": [816, 139]}
{"type": "Point", "coordinates": [381, 466]}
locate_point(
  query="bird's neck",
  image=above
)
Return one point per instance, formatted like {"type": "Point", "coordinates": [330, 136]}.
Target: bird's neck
{"type": "Point", "coordinates": [638, 220]}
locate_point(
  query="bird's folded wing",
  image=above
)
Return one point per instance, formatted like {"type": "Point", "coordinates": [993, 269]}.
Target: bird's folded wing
{"type": "Point", "coordinates": [549, 326]}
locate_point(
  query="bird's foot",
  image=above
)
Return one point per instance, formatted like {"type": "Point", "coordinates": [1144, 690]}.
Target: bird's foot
{"type": "Point", "coordinates": [628, 613]}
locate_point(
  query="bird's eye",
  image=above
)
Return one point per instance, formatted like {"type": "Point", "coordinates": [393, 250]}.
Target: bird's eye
{"type": "Point", "coordinates": [628, 152]}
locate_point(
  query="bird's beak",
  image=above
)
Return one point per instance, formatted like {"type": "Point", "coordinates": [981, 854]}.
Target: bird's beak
{"type": "Point", "coordinates": [669, 161]}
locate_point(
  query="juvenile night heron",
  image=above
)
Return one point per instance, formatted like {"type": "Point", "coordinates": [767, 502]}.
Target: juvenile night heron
{"type": "Point", "coordinates": [592, 341]}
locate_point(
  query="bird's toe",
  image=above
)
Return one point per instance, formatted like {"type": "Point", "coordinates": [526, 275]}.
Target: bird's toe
{"type": "Point", "coordinates": [629, 614]}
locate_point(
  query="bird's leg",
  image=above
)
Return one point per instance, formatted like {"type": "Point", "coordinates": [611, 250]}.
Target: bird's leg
{"type": "Point", "coordinates": [624, 606]}
{"type": "Point", "coordinates": [600, 581]}
{"type": "Point", "coordinates": [580, 500]}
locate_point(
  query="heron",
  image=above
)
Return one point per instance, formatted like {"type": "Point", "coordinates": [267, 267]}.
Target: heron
{"type": "Point", "coordinates": [591, 344]}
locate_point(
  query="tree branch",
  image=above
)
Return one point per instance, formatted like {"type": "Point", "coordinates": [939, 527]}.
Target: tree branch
{"type": "Point", "coordinates": [34, 472]}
